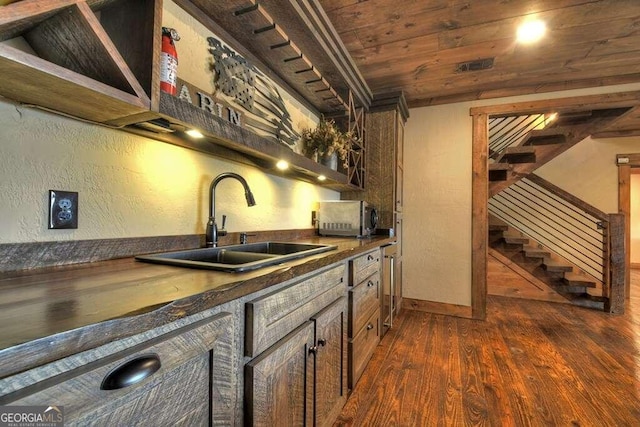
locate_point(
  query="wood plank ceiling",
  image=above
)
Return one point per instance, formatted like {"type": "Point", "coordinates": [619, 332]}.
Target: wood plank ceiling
{"type": "Point", "coordinates": [415, 45]}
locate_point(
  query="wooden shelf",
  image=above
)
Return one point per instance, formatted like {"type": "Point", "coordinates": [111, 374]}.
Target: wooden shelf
{"type": "Point", "coordinates": [32, 80]}
{"type": "Point", "coordinates": [78, 70]}
{"type": "Point", "coordinates": [229, 141]}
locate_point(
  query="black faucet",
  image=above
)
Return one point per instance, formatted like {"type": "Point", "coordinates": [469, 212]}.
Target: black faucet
{"type": "Point", "coordinates": [212, 227]}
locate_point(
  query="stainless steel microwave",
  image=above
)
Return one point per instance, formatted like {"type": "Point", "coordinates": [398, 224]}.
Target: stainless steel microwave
{"type": "Point", "coordinates": [346, 218]}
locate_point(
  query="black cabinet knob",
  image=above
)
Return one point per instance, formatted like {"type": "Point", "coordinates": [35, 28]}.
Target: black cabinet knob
{"type": "Point", "coordinates": [369, 327]}
{"type": "Point", "coordinates": [370, 284]}
{"type": "Point", "coordinates": [313, 350]}
{"type": "Point", "coordinates": [322, 342]}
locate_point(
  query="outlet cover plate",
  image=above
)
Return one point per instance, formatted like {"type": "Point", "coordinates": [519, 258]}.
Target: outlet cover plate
{"type": "Point", "coordinates": [63, 209]}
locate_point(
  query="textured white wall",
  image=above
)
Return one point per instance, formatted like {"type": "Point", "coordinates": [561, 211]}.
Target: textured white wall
{"type": "Point", "coordinates": [437, 205]}
{"type": "Point", "coordinates": [437, 202]}
{"type": "Point", "coordinates": [128, 186]}
{"type": "Point", "coordinates": [588, 170]}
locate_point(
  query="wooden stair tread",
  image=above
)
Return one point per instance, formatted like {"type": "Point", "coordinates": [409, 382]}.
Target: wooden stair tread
{"type": "Point", "coordinates": [520, 154]}
{"type": "Point", "coordinates": [498, 171]}
{"type": "Point", "coordinates": [573, 279]}
{"type": "Point", "coordinates": [496, 224]}
{"type": "Point", "coordinates": [553, 135]}
{"type": "Point", "coordinates": [551, 265]}
{"type": "Point", "coordinates": [498, 167]}
{"type": "Point", "coordinates": [515, 239]}
{"type": "Point", "coordinates": [533, 252]}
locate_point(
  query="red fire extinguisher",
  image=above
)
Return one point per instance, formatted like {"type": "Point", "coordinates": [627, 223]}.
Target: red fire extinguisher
{"type": "Point", "coordinates": [169, 61]}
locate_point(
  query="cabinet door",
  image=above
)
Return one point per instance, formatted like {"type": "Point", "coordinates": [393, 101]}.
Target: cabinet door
{"type": "Point", "coordinates": [331, 362]}
{"type": "Point", "coordinates": [279, 382]}
{"type": "Point", "coordinates": [398, 287]}
{"type": "Point", "coordinates": [183, 377]}
{"type": "Point", "coordinates": [399, 162]}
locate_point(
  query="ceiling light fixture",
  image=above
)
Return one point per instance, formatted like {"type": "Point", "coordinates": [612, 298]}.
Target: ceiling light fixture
{"type": "Point", "coordinates": [282, 165]}
{"type": "Point", "coordinates": [321, 178]}
{"type": "Point", "coordinates": [194, 133]}
{"type": "Point", "coordinates": [531, 31]}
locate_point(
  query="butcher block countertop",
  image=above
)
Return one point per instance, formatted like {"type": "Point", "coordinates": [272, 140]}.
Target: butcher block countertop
{"type": "Point", "coordinates": [50, 313]}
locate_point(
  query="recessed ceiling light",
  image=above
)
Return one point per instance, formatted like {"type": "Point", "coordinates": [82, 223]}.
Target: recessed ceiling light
{"type": "Point", "coordinates": [194, 133]}
{"type": "Point", "coordinates": [282, 165]}
{"type": "Point", "coordinates": [531, 31]}
{"type": "Point", "coordinates": [321, 177]}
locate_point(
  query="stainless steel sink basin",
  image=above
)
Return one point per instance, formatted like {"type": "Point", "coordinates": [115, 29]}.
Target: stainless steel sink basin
{"type": "Point", "coordinates": [237, 258]}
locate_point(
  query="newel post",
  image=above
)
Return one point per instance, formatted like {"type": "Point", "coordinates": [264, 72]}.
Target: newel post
{"type": "Point", "coordinates": [615, 304]}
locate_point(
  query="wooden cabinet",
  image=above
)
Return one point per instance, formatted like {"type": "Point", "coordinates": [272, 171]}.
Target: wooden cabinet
{"type": "Point", "coordinates": [279, 382]}
{"type": "Point", "coordinates": [364, 312]}
{"type": "Point", "coordinates": [300, 379]}
{"type": "Point", "coordinates": [330, 362]}
{"type": "Point", "coordinates": [385, 169]}
{"type": "Point", "coordinates": [181, 377]}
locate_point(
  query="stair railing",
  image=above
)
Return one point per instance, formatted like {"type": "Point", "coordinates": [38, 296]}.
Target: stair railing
{"type": "Point", "coordinates": [509, 131]}
{"type": "Point", "coordinates": [582, 234]}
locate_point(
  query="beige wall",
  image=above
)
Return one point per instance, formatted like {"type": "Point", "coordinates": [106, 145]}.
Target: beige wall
{"type": "Point", "coordinates": [437, 180]}
{"type": "Point", "coordinates": [437, 205]}
{"type": "Point", "coordinates": [128, 185]}
{"type": "Point", "coordinates": [132, 186]}
{"type": "Point", "coordinates": [588, 170]}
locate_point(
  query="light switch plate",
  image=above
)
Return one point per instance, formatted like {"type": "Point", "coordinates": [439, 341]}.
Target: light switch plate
{"type": "Point", "coordinates": [63, 209]}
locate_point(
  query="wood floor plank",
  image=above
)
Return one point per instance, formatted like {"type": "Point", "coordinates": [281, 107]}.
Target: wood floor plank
{"type": "Point", "coordinates": [571, 402]}
{"type": "Point", "coordinates": [530, 363]}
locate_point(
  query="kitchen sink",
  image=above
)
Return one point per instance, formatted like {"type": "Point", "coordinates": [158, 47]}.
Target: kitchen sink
{"type": "Point", "coordinates": [237, 258]}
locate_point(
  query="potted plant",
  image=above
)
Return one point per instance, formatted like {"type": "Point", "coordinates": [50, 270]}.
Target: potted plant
{"type": "Point", "coordinates": [326, 143]}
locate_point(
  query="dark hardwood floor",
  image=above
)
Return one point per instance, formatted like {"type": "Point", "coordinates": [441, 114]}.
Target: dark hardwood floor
{"type": "Point", "coordinates": [531, 363]}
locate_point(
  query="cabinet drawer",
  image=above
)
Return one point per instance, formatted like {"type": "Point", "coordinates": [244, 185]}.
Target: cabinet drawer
{"type": "Point", "coordinates": [362, 299]}
{"type": "Point", "coordinates": [174, 362]}
{"type": "Point", "coordinates": [362, 346]}
{"type": "Point", "coordinates": [272, 316]}
{"type": "Point", "coordinates": [364, 266]}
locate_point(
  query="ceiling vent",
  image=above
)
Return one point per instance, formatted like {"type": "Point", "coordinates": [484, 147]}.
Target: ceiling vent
{"type": "Point", "coordinates": [477, 65]}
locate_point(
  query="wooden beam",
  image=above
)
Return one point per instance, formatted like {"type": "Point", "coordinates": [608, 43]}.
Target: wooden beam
{"type": "Point", "coordinates": [624, 207]}
{"type": "Point", "coordinates": [479, 222]}
{"type": "Point", "coordinates": [619, 264]}
{"type": "Point", "coordinates": [448, 97]}
{"type": "Point", "coordinates": [576, 103]}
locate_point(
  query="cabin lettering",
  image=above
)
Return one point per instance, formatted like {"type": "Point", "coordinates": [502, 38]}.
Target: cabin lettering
{"type": "Point", "coordinates": [208, 103]}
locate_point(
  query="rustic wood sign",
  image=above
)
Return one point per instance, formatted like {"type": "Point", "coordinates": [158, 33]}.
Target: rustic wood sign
{"type": "Point", "coordinates": [208, 102]}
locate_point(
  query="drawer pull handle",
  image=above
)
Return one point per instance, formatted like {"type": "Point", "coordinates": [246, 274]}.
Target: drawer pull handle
{"type": "Point", "coordinates": [131, 372]}
{"type": "Point", "coordinates": [369, 257]}
{"type": "Point", "coordinates": [369, 327]}
{"type": "Point", "coordinates": [370, 284]}
{"type": "Point", "coordinates": [322, 342]}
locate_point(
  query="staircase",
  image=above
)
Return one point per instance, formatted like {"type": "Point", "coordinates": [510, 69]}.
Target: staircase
{"type": "Point", "coordinates": [548, 267]}
{"type": "Point", "coordinates": [530, 144]}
